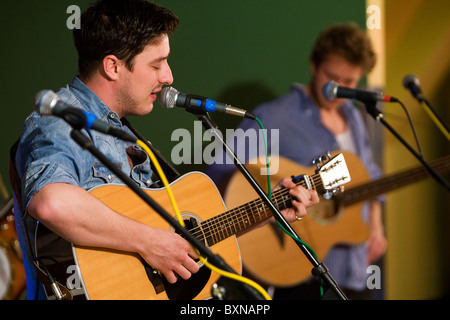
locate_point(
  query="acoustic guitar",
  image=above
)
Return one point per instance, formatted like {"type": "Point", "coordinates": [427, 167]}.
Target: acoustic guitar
{"type": "Point", "coordinates": [270, 257]}
{"type": "Point", "coordinates": [12, 272]}
{"type": "Point", "coordinates": [110, 274]}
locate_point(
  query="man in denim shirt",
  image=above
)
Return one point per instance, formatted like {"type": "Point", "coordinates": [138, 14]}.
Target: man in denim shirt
{"type": "Point", "coordinates": [310, 126]}
{"type": "Point", "coordinates": [123, 47]}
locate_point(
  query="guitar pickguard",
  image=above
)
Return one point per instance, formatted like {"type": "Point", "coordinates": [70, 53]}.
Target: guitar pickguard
{"type": "Point", "coordinates": [182, 289]}
{"type": "Point", "coordinates": [187, 289]}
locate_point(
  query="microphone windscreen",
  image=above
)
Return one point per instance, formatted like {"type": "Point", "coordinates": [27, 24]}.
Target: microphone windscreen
{"type": "Point", "coordinates": [167, 97]}
{"type": "Point", "coordinates": [44, 102]}
{"type": "Point", "coordinates": [329, 90]}
{"type": "Point", "coordinates": [410, 80]}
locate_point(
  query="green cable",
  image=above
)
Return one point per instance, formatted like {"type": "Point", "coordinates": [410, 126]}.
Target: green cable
{"type": "Point", "coordinates": [269, 188]}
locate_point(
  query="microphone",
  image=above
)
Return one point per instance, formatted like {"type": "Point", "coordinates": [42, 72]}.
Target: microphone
{"type": "Point", "coordinates": [332, 90]}
{"type": "Point", "coordinates": [411, 83]}
{"type": "Point", "coordinates": [47, 103]}
{"type": "Point", "coordinates": [170, 97]}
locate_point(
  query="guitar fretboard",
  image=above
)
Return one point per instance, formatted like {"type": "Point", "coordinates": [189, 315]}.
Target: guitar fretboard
{"type": "Point", "coordinates": [247, 215]}
{"type": "Point", "coordinates": [391, 182]}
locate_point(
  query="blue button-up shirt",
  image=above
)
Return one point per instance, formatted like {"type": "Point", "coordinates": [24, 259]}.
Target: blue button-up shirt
{"type": "Point", "coordinates": [47, 154]}
{"type": "Point", "coordinates": [301, 138]}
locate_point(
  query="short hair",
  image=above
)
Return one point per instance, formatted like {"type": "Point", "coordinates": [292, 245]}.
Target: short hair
{"type": "Point", "coordinates": [348, 41]}
{"type": "Point", "coordinates": [119, 27]}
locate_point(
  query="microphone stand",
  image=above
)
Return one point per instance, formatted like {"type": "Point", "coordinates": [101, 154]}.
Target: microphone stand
{"type": "Point", "coordinates": [86, 144]}
{"type": "Point", "coordinates": [319, 269]}
{"type": "Point", "coordinates": [378, 116]}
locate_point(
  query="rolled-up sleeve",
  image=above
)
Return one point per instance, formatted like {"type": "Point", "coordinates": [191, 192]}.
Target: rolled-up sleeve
{"type": "Point", "coordinates": [46, 156]}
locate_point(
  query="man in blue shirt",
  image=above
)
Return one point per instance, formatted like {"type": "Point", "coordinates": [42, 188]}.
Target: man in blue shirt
{"type": "Point", "coordinates": [123, 49]}
{"type": "Point", "coordinates": [309, 126]}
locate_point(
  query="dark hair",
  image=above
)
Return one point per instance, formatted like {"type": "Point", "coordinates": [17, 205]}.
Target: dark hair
{"type": "Point", "coordinates": [119, 27]}
{"type": "Point", "coordinates": [349, 42]}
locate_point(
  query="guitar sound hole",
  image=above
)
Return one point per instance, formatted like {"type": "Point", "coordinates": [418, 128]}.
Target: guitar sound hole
{"type": "Point", "coordinates": [192, 225]}
{"type": "Point", "coordinates": [326, 211]}
{"type": "Point", "coordinates": [189, 289]}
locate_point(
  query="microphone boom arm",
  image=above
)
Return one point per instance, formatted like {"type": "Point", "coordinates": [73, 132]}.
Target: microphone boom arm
{"type": "Point", "coordinates": [378, 116]}
{"type": "Point", "coordinates": [319, 269]}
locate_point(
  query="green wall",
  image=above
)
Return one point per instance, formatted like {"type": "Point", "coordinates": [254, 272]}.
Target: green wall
{"type": "Point", "coordinates": [238, 52]}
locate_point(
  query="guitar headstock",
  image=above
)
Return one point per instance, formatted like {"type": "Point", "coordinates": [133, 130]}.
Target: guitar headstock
{"type": "Point", "coordinates": [333, 173]}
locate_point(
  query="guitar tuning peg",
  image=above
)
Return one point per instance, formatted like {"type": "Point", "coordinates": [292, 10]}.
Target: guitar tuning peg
{"type": "Point", "coordinates": [316, 162]}
{"type": "Point", "coordinates": [327, 195]}
{"type": "Point", "coordinates": [328, 155]}
{"type": "Point", "coordinates": [323, 158]}
{"type": "Point", "coordinates": [338, 189]}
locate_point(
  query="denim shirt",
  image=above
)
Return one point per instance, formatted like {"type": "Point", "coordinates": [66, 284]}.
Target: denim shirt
{"type": "Point", "coordinates": [303, 137]}
{"type": "Point", "coordinates": [47, 154]}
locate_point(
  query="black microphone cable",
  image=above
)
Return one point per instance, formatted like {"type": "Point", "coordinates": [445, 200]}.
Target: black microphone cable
{"type": "Point", "coordinates": [411, 83]}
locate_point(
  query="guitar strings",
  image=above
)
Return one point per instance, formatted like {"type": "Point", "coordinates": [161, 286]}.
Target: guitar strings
{"type": "Point", "coordinates": [209, 227]}
{"type": "Point", "coordinates": [224, 273]}
{"type": "Point", "coordinates": [376, 187]}
{"type": "Point", "coordinates": [213, 226]}
{"type": "Point", "coordinates": [221, 227]}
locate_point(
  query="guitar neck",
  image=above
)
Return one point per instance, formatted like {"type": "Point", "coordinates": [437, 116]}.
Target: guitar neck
{"type": "Point", "coordinates": [247, 215]}
{"type": "Point", "coordinates": [376, 187]}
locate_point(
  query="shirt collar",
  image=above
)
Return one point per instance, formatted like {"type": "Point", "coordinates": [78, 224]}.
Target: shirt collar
{"type": "Point", "coordinates": [90, 101]}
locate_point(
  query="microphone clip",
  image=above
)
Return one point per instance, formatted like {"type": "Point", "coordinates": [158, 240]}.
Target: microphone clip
{"type": "Point", "coordinates": [373, 111]}
{"type": "Point", "coordinates": [193, 99]}
{"type": "Point", "coordinates": [75, 117]}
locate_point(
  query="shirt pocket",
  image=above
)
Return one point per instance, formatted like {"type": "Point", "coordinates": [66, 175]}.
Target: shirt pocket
{"type": "Point", "coordinates": [100, 171]}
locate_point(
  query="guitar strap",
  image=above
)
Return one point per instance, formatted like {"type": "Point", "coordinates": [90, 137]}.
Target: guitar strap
{"type": "Point", "coordinates": [43, 276]}
{"type": "Point", "coordinates": [170, 172]}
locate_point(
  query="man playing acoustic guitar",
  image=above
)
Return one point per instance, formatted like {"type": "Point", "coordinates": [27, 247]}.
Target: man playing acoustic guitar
{"type": "Point", "coordinates": [309, 126]}
{"type": "Point", "coordinates": [123, 49]}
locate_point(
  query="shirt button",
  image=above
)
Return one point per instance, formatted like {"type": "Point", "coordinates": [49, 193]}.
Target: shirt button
{"type": "Point", "coordinates": [109, 176]}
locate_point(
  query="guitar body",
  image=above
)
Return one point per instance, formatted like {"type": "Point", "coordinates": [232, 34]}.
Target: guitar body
{"type": "Point", "coordinates": [271, 256]}
{"type": "Point", "coordinates": [99, 273]}
{"type": "Point", "coordinates": [12, 272]}
{"type": "Point", "coordinates": [108, 274]}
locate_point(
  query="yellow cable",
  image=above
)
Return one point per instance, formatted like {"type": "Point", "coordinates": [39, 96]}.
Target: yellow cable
{"type": "Point", "coordinates": [164, 180]}
{"type": "Point", "coordinates": [436, 120]}
{"type": "Point", "coordinates": [180, 220]}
